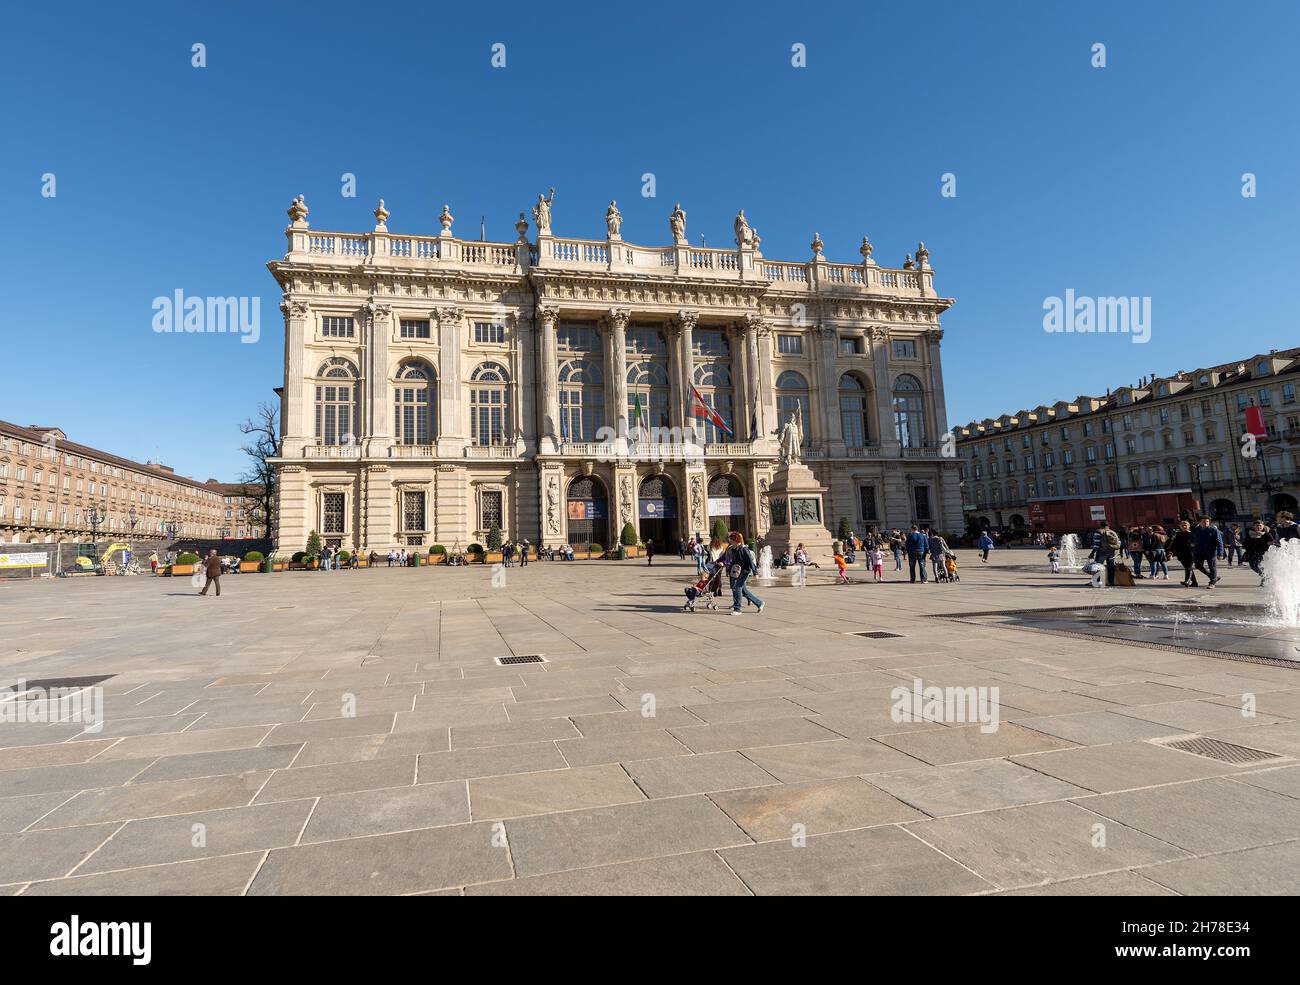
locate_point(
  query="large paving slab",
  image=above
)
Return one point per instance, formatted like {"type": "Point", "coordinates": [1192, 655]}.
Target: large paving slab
{"type": "Point", "coordinates": [655, 751]}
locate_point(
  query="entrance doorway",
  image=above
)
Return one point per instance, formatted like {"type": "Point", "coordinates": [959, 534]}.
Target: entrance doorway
{"type": "Point", "coordinates": [726, 503]}
{"type": "Point", "coordinates": [657, 513]}
{"type": "Point", "coordinates": [588, 512]}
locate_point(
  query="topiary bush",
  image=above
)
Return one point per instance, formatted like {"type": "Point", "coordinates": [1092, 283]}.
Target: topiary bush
{"type": "Point", "coordinates": [720, 529]}
{"type": "Point", "coordinates": [187, 558]}
{"type": "Point", "coordinates": [254, 556]}
{"type": "Point", "coordinates": [298, 557]}
{"type": "Point", "coordinates": [314, 544]}
{"type": "Point", "coordinates": [628, 537]}
{"type": "Point", "coordinates": [596, 549]}
{"type": "Point", "coordinates": [475, 549]}
{"type": "Point", "coordinates": [844, 529]}
{"type": "Point", "coordinates": [494, 538]}
{"type": "Point", "coordinates": [344, 557]}
{"type": "Point", "coordinates": [437, 549]}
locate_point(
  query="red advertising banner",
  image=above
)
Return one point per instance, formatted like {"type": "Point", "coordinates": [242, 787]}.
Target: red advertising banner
{"type": "Point", "coordinates": [1255, 422]}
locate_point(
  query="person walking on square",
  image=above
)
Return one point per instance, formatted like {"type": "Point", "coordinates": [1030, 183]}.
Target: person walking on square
{"type": "Point", "coordinates": [877, 558]}
{"type": "Point", "coordinates": [918, 545]}
{"type": "Point", "coordinates": [1054, 560]}
{"type": "Point", "coordinates": [1255, 545]}
{"type": "Point", "coordinates": [1180, 546]}
{"type": "Point", "coordinates": [1206, 545]}
{"type": "Point", "coordinates": [896, 546]}
{"type": "Point", "coordinates": [739, 562]}
{"type": "Point", "coordinates": [939, 556]}
{"type": "Point", "coordinates": [1108, 545]}
{"type": "Point", "coordinates": [523, 554]}
{"type": "Point", "coordinates": [212, 568]}
{"type": "Point", "coordinates": [700, 553]}
{"type": "Point", "coordinates": [325, 558]}
{"type": "Point", "coordinates": [649, 551]}
{"type": "Point", "coordinates": [985, 544]}
{"type": "Point", "coordinates": [1232, 545]}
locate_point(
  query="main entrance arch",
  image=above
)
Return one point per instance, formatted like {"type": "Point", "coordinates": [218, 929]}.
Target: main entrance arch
{"type": "Point", "coordinates": [588, 512]}
{"type": "Point", "coordinates": [657, 513]}
{"type": "Point", "coordinates": [726, 503]}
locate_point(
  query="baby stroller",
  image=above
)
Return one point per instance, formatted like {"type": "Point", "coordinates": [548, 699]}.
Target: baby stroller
{"type": "Point", "coordinates": [709, 588]}
{"type": "Point", "coordinates": [950, 567]}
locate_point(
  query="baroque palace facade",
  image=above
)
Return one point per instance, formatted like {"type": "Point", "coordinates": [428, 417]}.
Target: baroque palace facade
{"type": "Point", "coordinates": [435, 386]}
{"type": "Point", "coordinates": [1164, 432]}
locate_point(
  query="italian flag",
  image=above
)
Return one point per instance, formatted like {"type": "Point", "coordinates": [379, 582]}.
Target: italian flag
{"type": "Point", "coordinates": [638, 415]}
{"type": "Point", "coordinates": [700, 409]}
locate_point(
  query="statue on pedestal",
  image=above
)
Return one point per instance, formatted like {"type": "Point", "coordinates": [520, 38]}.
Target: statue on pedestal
{"type": "Point", "coordinates": [542, 213]}
{"type": "Point", "coordinates": [677, 223]}
{"type": "Point", "coordinates": [613, 220]}
{"type": "Point", "coordinates": [744, 234]}
{"type": "Point", "coordinates": [792, 438]}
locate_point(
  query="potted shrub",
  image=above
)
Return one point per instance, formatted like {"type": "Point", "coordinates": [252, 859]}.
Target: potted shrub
{"type": "Point", "coordinates": [185, 563]}
{"type": "Point", "coordinates": [595, 551]}
{"type": "Point", "coordinates": [437, 554]}
{"type": "Point", "coordinates": [298, 561]}
{"type": "Point", "coordinates": [720, 530]}
{"type": "Point", "coordinates": [629, 541]}
{"type": "Point", "coordinates": [494, 539]}
{"type": "Point", "coordinates": [475, 552]}
{"type": "Point", "coordinates": [277, 563]}
{"type": "Point", "coordinates": [252, 563]}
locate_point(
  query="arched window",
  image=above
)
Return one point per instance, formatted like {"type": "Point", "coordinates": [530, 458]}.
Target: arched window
{"type": "Point", "coordinates": [853, 412]}
{"type": "Point", "coordinates": [792, 401]}
{"type": "Point", "coordinates": [489, 405]}
{"type": "Point", "coordinates": [909, 412]}
{"type": "Point", "coordinates": [713, 380]}
{"type": "Point", "coordinates": [413, 403]}
{"type": "Point", "coordinates": [336, 402]}
{"type": "Point", "coordinates": [647, 397]}
{"type": "Point", "coordinates": [582, 400]}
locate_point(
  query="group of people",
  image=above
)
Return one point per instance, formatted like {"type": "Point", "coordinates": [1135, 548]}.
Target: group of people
{"type": "Point", "coordinates": [1197, 544]}
{"type": "Point", "coordinates": [716, 558]}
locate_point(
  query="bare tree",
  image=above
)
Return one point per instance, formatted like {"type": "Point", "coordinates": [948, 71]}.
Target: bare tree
{"type": "Point", "coordinates": [260, 477]}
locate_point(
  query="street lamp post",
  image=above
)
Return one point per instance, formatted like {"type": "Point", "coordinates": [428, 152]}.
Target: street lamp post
{"type": "Point", "coordinates": [1200, 482]}
{"type": "Point", "coordinates": [131, 518]}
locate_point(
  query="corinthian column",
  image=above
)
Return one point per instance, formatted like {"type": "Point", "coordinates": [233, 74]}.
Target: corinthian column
{"type": "Point", "coordinates": [549, 427]}
{"type": "Point", "coordinates": [884, 386]}
{"type": "Point", "coordinates": [617, 320]}
{"type": "Point", "coordinates": [762, 403]}
{"type": "Point", "coordinates": [450, 376]}
{"type": "Point", "coordinates": [932, 339]}
{"type": "Point", "coordinates": [684, 370]}
{"type": "Point", "coordinates": [294, 428]}
{"type": "Point", "coordinates": [378, 329]}
{"type": "Point", "coordinates": [742, 382]}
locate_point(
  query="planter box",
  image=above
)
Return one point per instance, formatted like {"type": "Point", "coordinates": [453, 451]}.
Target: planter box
{"type": "Point", "coordinates": [476, 558]}
{"type": "Point", "coordinates": [183, 569]}
{"type": "Point", "coordinates": [279, 566]}
{"type": "Point", "coordinates": [250, 567]}
{"type": "Point", "coordinates": [437, 558]}
{"type": "Point", "coordinates": [494, 557]}
{"type": "Point", "coordinates": [633, 551]}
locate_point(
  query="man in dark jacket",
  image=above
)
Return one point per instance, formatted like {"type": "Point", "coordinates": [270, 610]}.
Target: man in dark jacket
{"type": "Point", "coordinates": [212, 568]}
{"type": "Point", "coordinates": [1207, 542]}
{"type": "Point", "coordinates": [918, 545]}
{"type": "Point", "coordinates": [1255, 545]}
{"type": "Point", "coordinates": [1286, 527]}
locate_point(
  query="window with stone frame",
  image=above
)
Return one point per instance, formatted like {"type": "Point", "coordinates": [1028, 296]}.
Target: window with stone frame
{"type": "Point", "coordinates": [332, 512]}
{"type": "Point", "coordinates": [490, 501]}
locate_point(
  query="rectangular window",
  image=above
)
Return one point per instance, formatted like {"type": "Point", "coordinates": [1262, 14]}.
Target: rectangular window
{"type": "Point", "coordinates": [489, 334]}
{"type": "Point", "coordinates": [1048, 460]}
{"type": "Point", "coordinates": [490, 507]}
{"type": "Point", "coordinates": [1089, 455]}
{"type": "Point", "coordinates": [905, 349]}
{"type": "Point", "coordinates": [413, 512]}
{"type": "Point", "coordinates": [578, 338]}
{"type": "Point", "coordinates": [334, 327]}
{"type": "Point", "coordinates": [1164, 415]}
{"type": "Point", "coordinates": [921, 494]}
{"type": "Point", "coordinates": [851, 346]}
{"type": "Point", "coordinates": [1288, 393]}
{"type": "Point", "coordinates": [415, 329]}
{"type": "Point", "coordinates": [332, 513]}
{"type": "Point", "coordinates": [1067, 457]}
{"type": "Point", "coordinates": [789, 345]}
{"type": "Point", "coordinates": [867, 499]}
{"type": "Point", "coordinates": [1265, 398]}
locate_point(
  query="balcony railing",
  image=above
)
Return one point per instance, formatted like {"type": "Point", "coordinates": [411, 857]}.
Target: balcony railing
{"type": "Point", "coordinates": [331, 451]}
{"type": "Point", "coordinates": [563, 253]}
{"type": "Point", "coordinates": [491, 451]}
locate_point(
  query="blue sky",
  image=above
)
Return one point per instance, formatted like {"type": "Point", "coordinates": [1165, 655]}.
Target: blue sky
{"type": "Point", "coordinates": [1124, 180]}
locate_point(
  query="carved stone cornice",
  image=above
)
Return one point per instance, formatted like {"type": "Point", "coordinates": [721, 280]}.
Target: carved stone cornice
{"type": "Point", "coordinates": [878, 333]}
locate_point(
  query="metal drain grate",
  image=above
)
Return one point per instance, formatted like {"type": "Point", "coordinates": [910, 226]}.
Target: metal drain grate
{"type": "Point", "coordinates": [523, 658]}
{"type": "Point", "coordinates": [880, 635]}
{"type": "Point", "coordinates": [1217, 749]}
{"type": "Point", "coordinates": [68, 683]}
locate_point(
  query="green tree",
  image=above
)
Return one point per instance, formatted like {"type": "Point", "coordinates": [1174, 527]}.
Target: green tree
{"type": "Point", "coordinates": [720, 529]}
{"type": "Point", "coordinates": [494, 538]}
{"type": "Point", "coordinates": [844, 529]}
{"type": "Point", "coordinates": [628, 537]}
{"type": "Point", "coordinates": [314, 544]}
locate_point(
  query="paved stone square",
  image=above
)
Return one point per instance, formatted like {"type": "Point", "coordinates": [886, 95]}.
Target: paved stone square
{"type": "Point", "coordinates": [352, 733]}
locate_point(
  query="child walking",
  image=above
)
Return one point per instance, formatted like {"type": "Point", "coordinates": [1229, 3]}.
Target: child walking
{"type": "Point", "coordinates": [877, 557]}
{"type": "Point", "coordinates": [842, 564]}
{"type": "Point", "coordinates": [1055, 560]}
